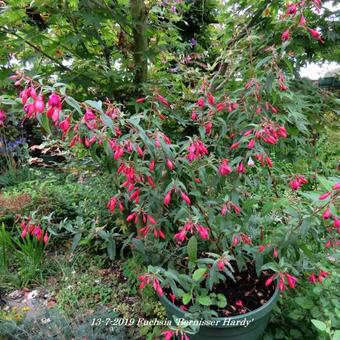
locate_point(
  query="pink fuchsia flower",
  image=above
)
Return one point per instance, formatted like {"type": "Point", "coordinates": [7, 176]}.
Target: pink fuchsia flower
{"type": "Point", "coordinates": [224, 210]}
{"type": "Point", "coordinates": [135, 196]}
{"type": "Point", "coordinates": [196, 150]}
{"type": "Point", "coordinates": [167, 198]}
{"type": "Point", "coordinates": [24, 233]}
{"type": "Point", "coordinates": [211, 99]}
{"type": "Point", "coordinates": [37, 232]}
{"type": "Point", "coordinates": [245, 238]}
{"type": "Point", "coordinates": [247, 133]}
{"type": "Point", "coordinates": [269, 162]}
{"type": "Point", "coordinates": [275, 253]}
{"type": "Point", "coordinates": [291, 9]}
{"type": "Point", "coordinates": [270, 280]}
{"type": "Point", "coordinates": [282, 285]}
{"type": "Point", "coordinates": [326, 214]}
{"type": "Point", "coordinates": [144, 231]}
{"type": "Point", "coordinates": [158, 233]}
{"type": "Point", "coordinates": [236, 240]}
{"type": "Point", "coordinates": [29, 110]}
{"type": "Point", "coordinates": [172, 297]}
{"type": "Point", "coordinates": [23, 96]}
{"type": "Point", "coordinates": [235, 145]}
{"type": "Point", "coordinates": [65, 125]}
{"type": "Point", "coordinates": [144, 280]}
{"type": "Point", "coordinates": [185, 198]}
{"type": "Point", "coordinates": [291, 280]}
{"type": "Point", "coordinates": [169, 164]}
{"type": "Point", "coordinates": [207, 128]}
{"type": "Point", "coordinates": [322, 275]}
{"type": "Point", "coordinates": [2, 117]}
{"type": "Point", "coordinates": [262, 248]}
{"type": "Point", "coordinates": [140, 100]}
{"type": "Point", "coordinates": [302, 21]}
{"type": "Point", "coordinates": [203, 232]}
{"type": "Point", "coordinates": [239, 303]}
{"type": "Point", "coordinates": [90, 119]}
{"type": "Point", "coordinates": [46, 237]}
{"type": "Point", "coordinates": [194, 115]}
{"type": "Point", "coordinates": [157, 287]}
{"type": "Point", "coordinates": [32, 92]}
{"type": "Point", "coordinates": [54, 101]}
{"type": "Point", "coordinates": [151, 219]}
{"type": "Point", "coordinates": [200, 102]}
{"type": "Point", "coordinates": [336, 223]}
{"type": "Point", "coordinates": [220, 264]}
{"type": "Point", "coordinates": [132, 217]}
{"type": "Point", "coordinates": [181, 235]}
{"type": "Point", "coordinates": [220, 106]}
{"type": "Point", "coordinates": [297, 182]}
{"type": "Point", "coordinates": [111, 205]}
{"type": "Point", "coordinates": [39, 105]}
{"type": "Point", "coordinates": [152, 166]}
{"type": "Point", "coordinates": [168, 334]}
{"type": "Point", "coordinates": [328, 244]}
{"type": "Point", "coordinates": [162, 100]}
{"type": "Point", "coordinates": [251, 144]}
{"type": "Point", "coordinates": [336, 186]}
{"type": "Point", "coordinates": [324, 196]}
{"type": "Point", "coordinates": [285, 36]}
{"type": "Point", "coordinates": [241, 169]}
{"type": "Point", "coordinates": [315, 34]}
{"type": "Point", "coordinates": [312, 278]}
{"type": "Point", "coordinates": [224, 169]}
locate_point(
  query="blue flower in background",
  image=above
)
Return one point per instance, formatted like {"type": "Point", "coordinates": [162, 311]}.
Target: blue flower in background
{"type": "Point", "coordinates": [193, 42]}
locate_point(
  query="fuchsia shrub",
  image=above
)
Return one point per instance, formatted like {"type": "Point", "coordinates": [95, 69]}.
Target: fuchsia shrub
{"type": "Point", "coordinates": [195, 197]}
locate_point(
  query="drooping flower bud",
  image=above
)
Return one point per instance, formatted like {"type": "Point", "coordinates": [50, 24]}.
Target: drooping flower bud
{"type": "Point", "coordinates": [169, 164]}
{"type": "Point", "coordinates": [185, 198]}
{"type": "Point", "coordinates": [324, 196]}
{"type": "Point", "coordinates": [326, 214]}
{"type": "Point", "coordinates": [285, 35]}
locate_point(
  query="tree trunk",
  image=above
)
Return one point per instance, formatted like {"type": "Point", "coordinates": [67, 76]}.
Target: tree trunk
{"type": "Point", "coordinates": [139, 19]}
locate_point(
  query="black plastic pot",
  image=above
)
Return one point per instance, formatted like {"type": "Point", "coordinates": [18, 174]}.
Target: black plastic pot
{"type": "Point", "coordinates": [249, 326]}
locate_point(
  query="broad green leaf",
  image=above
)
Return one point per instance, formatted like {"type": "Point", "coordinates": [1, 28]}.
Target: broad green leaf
{"type": "Point", "coordinates": [75, 241]}
{"type": "Point", "coordinates": [186, 298]}
{"type": "Point", "coordinates": [204, 300]}
{"type": "Point", "coordinates": [74, 104]}
{"type": "Point", "coordinates": [96, 105]}
{"type": "Point", "coordinates": [198, 273]}
{"type": "Point", "coordinates": [192, 248]}
{"type": "Point", "coordinates": [319, 325]}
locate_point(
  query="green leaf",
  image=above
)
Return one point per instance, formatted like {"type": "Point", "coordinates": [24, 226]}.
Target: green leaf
{"type": "Point", "coordinates": [186, 298]}
{"type": "Point", "coordinates": [304, 302]}
{"type": "Point", "coordinates": [221, 300]}
{"type": "Point", "coordinates": [336, 335]}
{"type": "Point", "coordinates": [267, 208]}
{"type": "Point", "coordinates": [325, 183]}
{"type": "Point", "coordinates": [75, 241]}
{"type": "Point", "coordinates": [111, 250]}
{"type": "Point", "coordinates": [74, 104]}
{"type": "Point", "coordinates": [319, 325]}
{"type": "Point", "coordinates": [44, 122]}
{"type": "Point", "coordinates": [204, 300]}
{"type": "Point", "coordinates": [198, 273]}
{"type": "Point", "coordinates": [192, 249]}
{"type": "Point", "coordinates": [96, 105]}
{"type": "Point", "coordinates": [107, 121]}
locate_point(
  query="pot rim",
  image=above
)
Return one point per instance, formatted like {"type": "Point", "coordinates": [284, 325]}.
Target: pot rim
{"type": "Point", "coordinates": [255, 314]}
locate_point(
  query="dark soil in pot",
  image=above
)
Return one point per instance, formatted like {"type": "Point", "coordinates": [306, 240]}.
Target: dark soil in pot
{"type": "Point", "coordinates": [246, 294]}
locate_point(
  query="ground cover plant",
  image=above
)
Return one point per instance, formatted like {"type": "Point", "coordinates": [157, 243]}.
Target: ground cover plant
{"type": "Point", "coordinates": [195, 170]}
